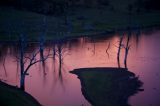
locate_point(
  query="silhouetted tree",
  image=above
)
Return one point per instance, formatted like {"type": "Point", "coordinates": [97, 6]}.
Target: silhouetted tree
{"type": "Point", "coordinates": [60, 53]}
{"type": "Point", "coordinates": [119, 51]}
{"type": "Point", "coordinates": [22, 58]}
{"type": "Point", "coordinates": [108, 49]}
{"type": "Point", "coordinates": [59, 47]}
{"type": "Point", "coordinates": [127, 47]}
{"type": "Point", "coordinates": [54, 51]}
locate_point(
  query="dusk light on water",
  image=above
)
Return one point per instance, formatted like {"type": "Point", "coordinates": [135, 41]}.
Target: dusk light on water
{"type": "Point", "coordinates": [79, 53]}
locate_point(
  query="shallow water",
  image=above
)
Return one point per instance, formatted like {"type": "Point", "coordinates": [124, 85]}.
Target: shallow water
{"type": "Point", "coordinates": [53, 89]}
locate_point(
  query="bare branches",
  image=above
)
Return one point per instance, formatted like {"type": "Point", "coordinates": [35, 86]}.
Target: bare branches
{"type": "Point", "coordinates": [108, 49]}
{"type": "Point", "coordinates": [33, 61]}
{"type": "Point", "coordinates": [29, 59]}
{"type": "Point", "coordinates": [127, 47]}
{"type": "Point", "coordinates": [119, 50]}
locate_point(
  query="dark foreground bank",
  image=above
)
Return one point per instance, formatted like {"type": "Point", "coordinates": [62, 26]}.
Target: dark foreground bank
{"type": "Point", "coordinates": [108, 86]}
{"type": "Point", "coordinates": [12, 96]}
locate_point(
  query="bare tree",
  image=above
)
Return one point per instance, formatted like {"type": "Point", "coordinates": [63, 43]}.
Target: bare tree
{"type": "Point", "coordinates": [108, 49]}
{"type": "Point", "coordinates": [42, 41]}
{"type": "Point", "coordinates": [41, 48]}
{"type": "Point", "coordinates": [54, 51]}
{"type": "Point", "coordinates": [24, 68]}
{"type": "Point", "coordinates": [119, 51]}
{"type": "Point", "coordinates": [61, 53]}
{"type": "Point", "coordinates": [127, 47]}
{"type": "Point", "coordinates": [60, 56]}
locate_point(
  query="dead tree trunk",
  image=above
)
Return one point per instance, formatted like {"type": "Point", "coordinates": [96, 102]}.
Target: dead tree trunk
{"type": "Point", "coordinates": [127, 47]}
{"type": "Point", "coordinates": [42, 53]}
{"type": "Point", "coordinates": [31, 59]}
{"type": "Point", "coordinates": [22, 82]}
{"type": "Point", "coordinates": [54, 51]}
{"type": "Point", "coordinates": [42, 42]}
{"type": "Point", "coordinates": [60, 57]}
{"type": "Point", "coordinates": [119, 51]}
{"type": "Point", "coordinates": [22, 47]}
{"type": "Point", "coordinates": [108, 49]}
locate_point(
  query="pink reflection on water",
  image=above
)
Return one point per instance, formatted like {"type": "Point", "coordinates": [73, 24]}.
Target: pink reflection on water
{"type": "Point", "coordinates": [54, 90]}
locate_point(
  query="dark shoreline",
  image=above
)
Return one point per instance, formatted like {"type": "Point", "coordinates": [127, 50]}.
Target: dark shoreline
{"type": "Point", "coordinates": [14, 88]}
{"type": "Point", "coordinates": [89, 34]}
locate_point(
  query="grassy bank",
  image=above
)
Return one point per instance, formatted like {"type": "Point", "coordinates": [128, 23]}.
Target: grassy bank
{"type": "Point", "coordinates": [83, 21]}
{"type": "Point", "coordinates": [12, 96]}
{"type": "Point", "coordinates": [108, 86]}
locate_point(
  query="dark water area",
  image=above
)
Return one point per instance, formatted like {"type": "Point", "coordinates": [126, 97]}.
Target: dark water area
{"type": "Point", "coordinates": [53, 85]}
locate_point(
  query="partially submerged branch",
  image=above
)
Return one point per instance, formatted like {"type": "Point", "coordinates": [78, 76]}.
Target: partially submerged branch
{"type": "Point", "coordinates": [119, 51]}
{"type": "Point", "coordinates": [127, 47]}
{"type": "Point", "coordinates": [30, 59]}
{"type": "Point", "coordinates": [32, 62]}
{"type": "Point", "coordinates": [108, 49]}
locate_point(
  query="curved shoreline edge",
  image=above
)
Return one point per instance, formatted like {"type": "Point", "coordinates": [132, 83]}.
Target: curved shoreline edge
{"type": "Point", "coordinates": [16, 96]}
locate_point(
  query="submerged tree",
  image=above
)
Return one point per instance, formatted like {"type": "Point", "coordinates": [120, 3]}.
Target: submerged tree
{"type": "Point", "coordinates": [127, 47]}
{"type": "Point", "coordinates": [119, 51]}
{"type": "Point", "coordinates": [42, 41]}
{"type": "Point", "coordinates": [60, 53]}
{"type": "Point", "coordinates": [59, 47]}
{"type": "Point", "coordinates": [54, 51]}
{"type": "Point", "coordinates": [41, 50]}
{"type": "Point", "coordinates": [23, 59]}
{"type": "Point", "coordinates": [108, 49]}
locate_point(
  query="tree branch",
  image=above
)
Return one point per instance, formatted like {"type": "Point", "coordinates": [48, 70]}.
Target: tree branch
{"type": "Point", "coordinates": [33, 58]}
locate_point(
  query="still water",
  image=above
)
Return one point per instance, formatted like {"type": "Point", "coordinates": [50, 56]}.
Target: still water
{"type": "Point", "coordinates": [53, 89]}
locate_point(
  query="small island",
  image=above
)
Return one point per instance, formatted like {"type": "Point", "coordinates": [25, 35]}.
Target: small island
{"type": "Point", "coordinates": [108, 86]}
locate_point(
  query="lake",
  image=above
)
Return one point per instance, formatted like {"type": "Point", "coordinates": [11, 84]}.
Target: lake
{"type": "Point", "coordinates": [53, 88]}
